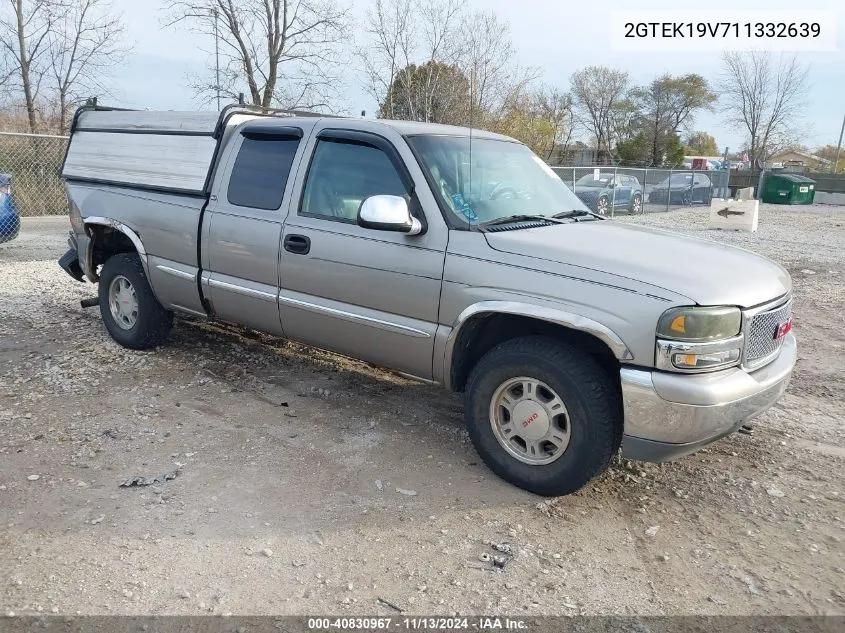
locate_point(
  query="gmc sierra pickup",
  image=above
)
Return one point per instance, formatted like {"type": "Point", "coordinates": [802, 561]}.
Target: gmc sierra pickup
{"type": "Point", "coordinates": [452, 255]}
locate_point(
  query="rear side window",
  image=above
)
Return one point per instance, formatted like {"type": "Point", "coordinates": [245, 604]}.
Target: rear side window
{"type": "Point", "coordinates": [261, 172]}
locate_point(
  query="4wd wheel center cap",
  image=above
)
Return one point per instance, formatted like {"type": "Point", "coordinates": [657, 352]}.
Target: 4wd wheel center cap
{"type": "Point", "coordinates": [531, 419]}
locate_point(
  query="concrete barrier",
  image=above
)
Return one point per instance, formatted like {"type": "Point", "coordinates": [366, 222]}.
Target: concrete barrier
{"type": "Point", "coordinates": [825, 197]}
{"type": "Point", "coordinates": [741, 215]}
{"type": "Point", "coordinates": [746, 193]}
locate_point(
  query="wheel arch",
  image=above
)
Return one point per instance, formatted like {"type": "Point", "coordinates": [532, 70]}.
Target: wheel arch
{"type": "Point", "coordinates": [484, 325]}
{"type": "Point", "coordinates": [108, 237]}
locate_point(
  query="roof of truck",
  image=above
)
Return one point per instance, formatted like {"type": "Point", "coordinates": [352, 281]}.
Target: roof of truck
{"type": "Point", "coordinates": [410, 128]}
{"type": "Point", "coordinates": [406, 128]}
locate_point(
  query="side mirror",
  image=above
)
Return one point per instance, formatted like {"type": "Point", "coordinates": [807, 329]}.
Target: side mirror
{"type": "Point", "coordinates": [388, 213]}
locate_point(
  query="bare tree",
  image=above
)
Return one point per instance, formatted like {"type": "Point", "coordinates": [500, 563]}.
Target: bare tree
{"type": "Point", "coordinates": [417, 52]}
{"type": "Point", "coordinates": [597, 92]}
{"type": "Point", "coordinates": [410, 59]}
{"type": "Point", "coordinates": [664, 106]}
{"type": "Point", "coordinates": [542, 119]}
{"type": "Point", "coordinates": [25, 27]}
{"type": "Point", "coordinates": [388, 26]}
{"type": "Point", "coordinates": [283, 52]}
{"type": "Point", "coordinates": [766, 98]}
{"type": "Point", "coordinates": [487, 56]}
{"type": "Point", "coordinates": [86, 41]}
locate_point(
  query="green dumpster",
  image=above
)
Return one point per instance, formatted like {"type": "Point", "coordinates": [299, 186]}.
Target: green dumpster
{"type": "Point", "coordinates": [789, 189]}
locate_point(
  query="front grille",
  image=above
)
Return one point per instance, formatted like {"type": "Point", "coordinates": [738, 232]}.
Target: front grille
{"type": "Point", "coordinates": [760, 340]}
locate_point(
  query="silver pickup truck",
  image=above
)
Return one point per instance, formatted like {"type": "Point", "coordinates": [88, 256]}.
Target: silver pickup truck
{"type": "Point", "coordinates": [450, 255]}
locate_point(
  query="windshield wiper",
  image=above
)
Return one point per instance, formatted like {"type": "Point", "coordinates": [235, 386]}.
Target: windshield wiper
{"type": "Point", "coordinates": [577, 213]}
{"type": "Point", "coordinates": [523, 218]}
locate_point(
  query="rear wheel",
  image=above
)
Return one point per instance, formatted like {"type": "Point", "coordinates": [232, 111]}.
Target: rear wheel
{"type": "Point", "coordinates": [131, 313]}
{"type": "Point", "coordinates": [637, 204]}
{"type": "Point", "coordinates": [543, 415]}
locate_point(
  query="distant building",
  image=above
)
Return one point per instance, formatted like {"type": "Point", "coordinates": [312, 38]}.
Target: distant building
{"type": "Point", "coordinates": [797, 158]}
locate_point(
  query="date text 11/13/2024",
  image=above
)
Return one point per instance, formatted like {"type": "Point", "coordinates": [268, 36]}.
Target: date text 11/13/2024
{"type": "Point", "coordinates": [418, 624]}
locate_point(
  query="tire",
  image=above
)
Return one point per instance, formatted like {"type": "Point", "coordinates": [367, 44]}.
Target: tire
{"type": "Point", "coordinates": [593, 414]}
{"type": "Point", "coordinates": [636, 204]}
{"type": "Point", "coordinates": [149, 323]}
{"type": "Point", "coordinates": [602, 205]}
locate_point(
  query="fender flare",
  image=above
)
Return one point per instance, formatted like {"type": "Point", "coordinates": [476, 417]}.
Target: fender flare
{"type": "Point", "coordinates": [117, 226]}
{"type": "Point", "coordinates": [542, 313]}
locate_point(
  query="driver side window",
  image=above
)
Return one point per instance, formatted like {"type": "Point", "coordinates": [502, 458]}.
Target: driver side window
{"type": "Point", "coordinates": [342, 175]}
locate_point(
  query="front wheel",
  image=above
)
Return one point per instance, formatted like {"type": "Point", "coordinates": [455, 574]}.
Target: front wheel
{"type": "Point", "coordinates": [602, 205]}
{"type": "Point", "coordinates": [543, 415]}
{"type": "Point", "coordinates": [131, 313]}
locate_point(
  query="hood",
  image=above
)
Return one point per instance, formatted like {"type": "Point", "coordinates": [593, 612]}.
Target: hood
{"type": "Point", "coordinates": [707, 272]}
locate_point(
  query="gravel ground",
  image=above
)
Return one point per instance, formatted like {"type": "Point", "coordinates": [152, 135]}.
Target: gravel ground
{"type": "Point", "coordinates": [308, 483]}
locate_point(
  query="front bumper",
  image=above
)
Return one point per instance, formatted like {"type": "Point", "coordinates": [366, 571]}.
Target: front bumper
{"type": "Point", "coordinates": [668, 415]}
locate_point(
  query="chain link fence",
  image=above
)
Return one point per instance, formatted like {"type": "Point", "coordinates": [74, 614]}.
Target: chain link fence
{"type": "Point", "coordinates": [629, 190]}
{"type": "Point", "coordinates": [34, 162]}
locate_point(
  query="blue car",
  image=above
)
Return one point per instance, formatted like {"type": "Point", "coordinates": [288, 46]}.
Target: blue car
{"type": "Point", "coordinates": [610, 191]}
{"type": "Point", "coordinates": [10, 220]}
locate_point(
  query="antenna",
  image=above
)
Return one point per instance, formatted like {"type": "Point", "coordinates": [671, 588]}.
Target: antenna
{"type": "Point", "coordinates": [471, 113]}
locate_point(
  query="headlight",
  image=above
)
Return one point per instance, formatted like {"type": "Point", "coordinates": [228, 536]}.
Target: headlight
{"type": "Point", "coordinates": [699, 325]}
{"type": "Point", "coordinates": [699, 339]}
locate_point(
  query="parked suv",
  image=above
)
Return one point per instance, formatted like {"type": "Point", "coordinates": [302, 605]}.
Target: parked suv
{"type": "Point", "coordinates": [610, 191]}
{"type": "Point", "coordinates": [391, 242]}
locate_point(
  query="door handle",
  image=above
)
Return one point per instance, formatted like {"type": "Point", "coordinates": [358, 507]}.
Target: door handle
{"type": "Point", "coordinates": [297, 244]}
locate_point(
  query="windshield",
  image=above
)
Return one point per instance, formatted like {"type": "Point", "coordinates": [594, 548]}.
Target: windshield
{"type": "Point", "coordinates": [496, 180]}
{"type": "Point", "coordinates": [589, 181]}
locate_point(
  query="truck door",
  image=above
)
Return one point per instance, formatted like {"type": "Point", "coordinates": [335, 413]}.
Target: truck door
{"type": "Point", "coordinates": [623, 191]}
{"type": "Point", "coordinates": [370, 294]}
{"type": "Point", "coordinates": [243, 224]}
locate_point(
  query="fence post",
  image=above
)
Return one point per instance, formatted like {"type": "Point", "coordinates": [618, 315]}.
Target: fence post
{"type": "Point", "coordinates": [758, 195]}
{"type": "Point", "coordinates": [613, 192]}
{"type": "Point", "coordinates": [691, 188]}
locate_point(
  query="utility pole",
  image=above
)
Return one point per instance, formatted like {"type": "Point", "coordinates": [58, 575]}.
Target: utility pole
{"type": "Point", "coordinates": [217, 57]}
{"type": "Point", "coordinates": [839, 146]}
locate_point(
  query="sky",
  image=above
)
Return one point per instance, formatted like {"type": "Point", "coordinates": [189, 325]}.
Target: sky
{"type": "Point", "coordinates": [556, 37]}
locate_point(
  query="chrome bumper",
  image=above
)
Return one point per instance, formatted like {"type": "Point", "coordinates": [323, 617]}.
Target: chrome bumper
{"type": "Point", "coordinates": [668, 415]}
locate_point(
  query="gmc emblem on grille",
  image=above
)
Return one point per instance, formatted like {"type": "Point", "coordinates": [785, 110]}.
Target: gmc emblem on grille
{"type": "Point", "coordinates": [783, 329]}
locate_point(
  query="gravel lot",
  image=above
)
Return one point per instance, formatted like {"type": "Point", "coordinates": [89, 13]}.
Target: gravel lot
{"type": "Point", "coordinates": [311, 484]}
